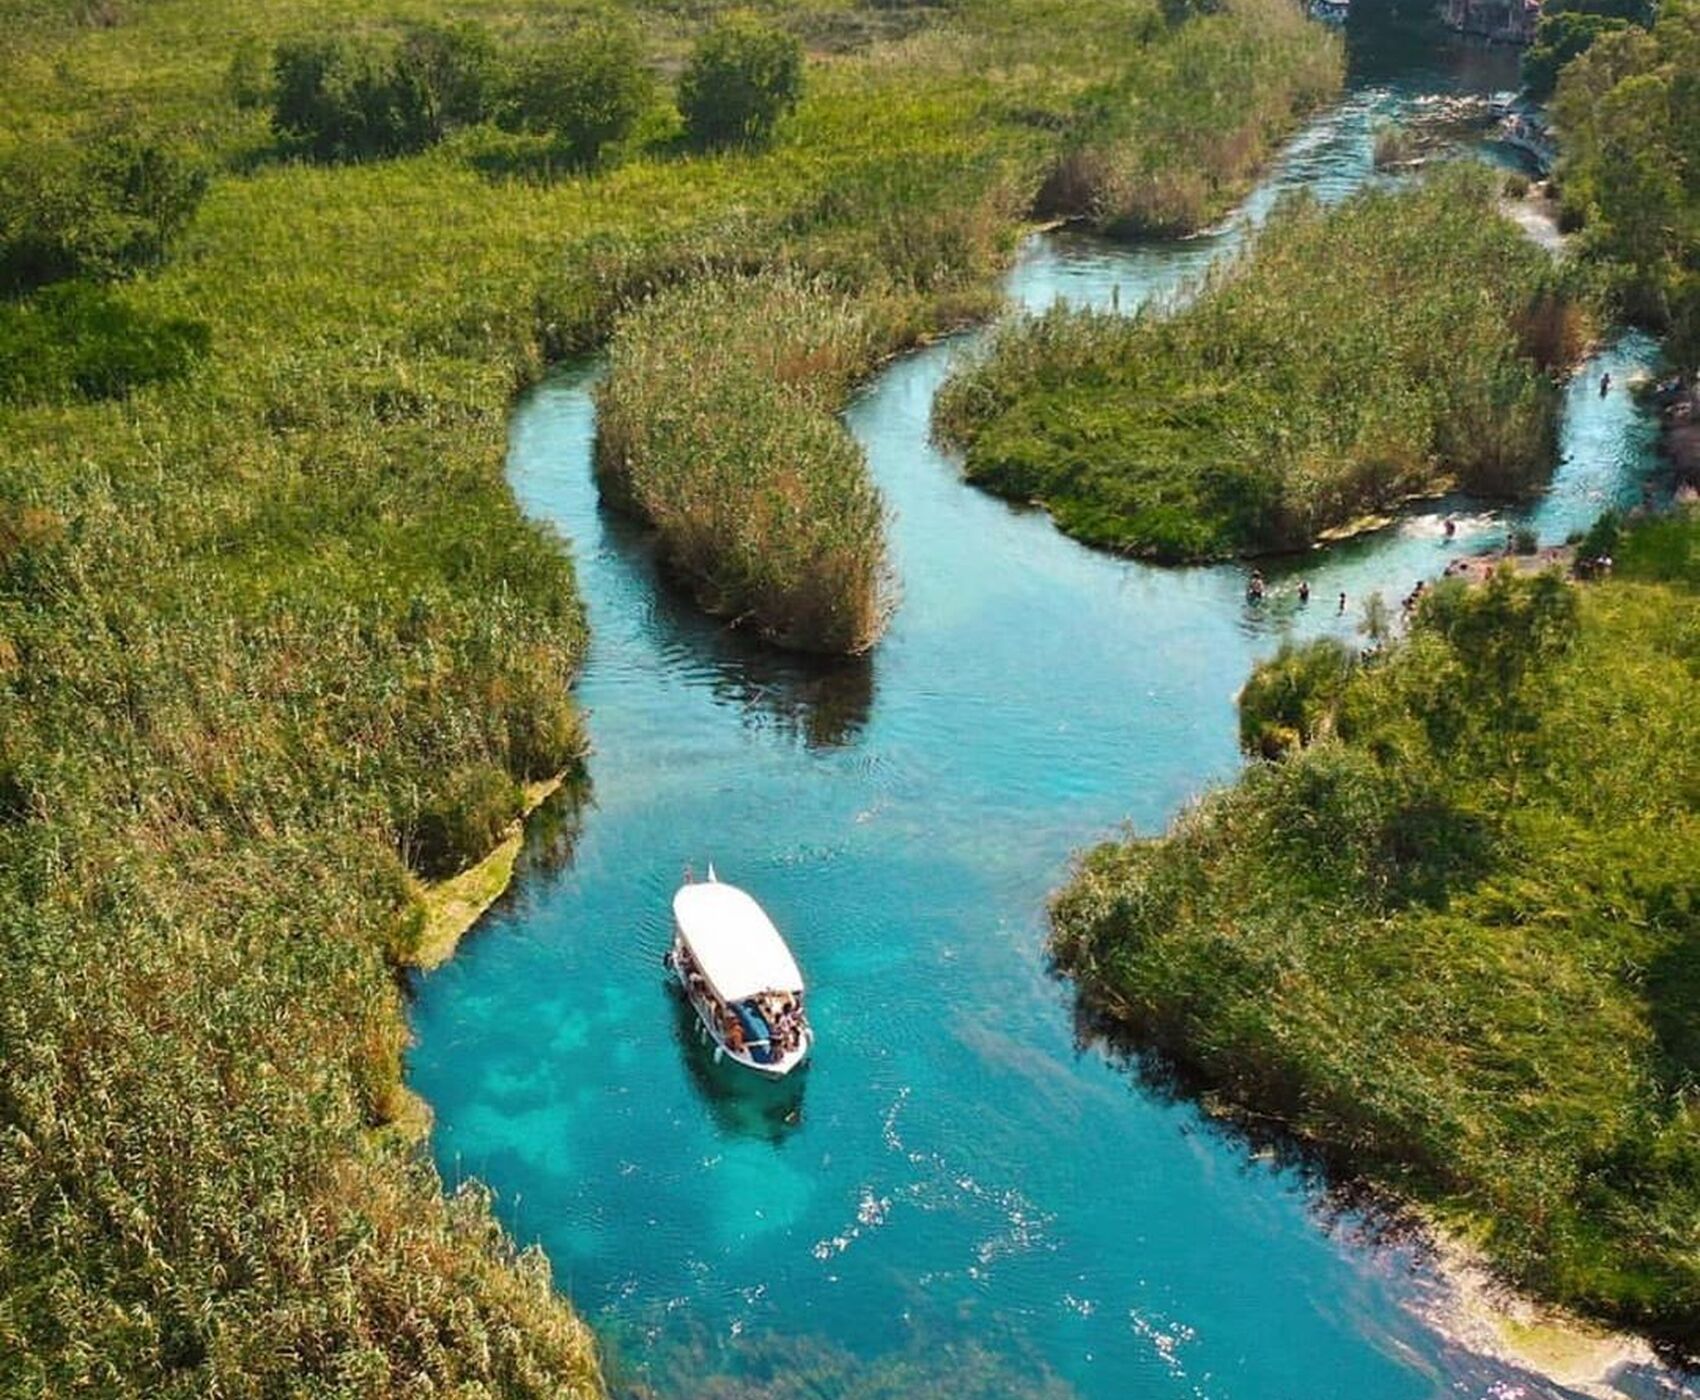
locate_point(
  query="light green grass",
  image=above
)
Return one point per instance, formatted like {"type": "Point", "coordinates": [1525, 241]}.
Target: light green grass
{"type": "Point", "coordinates": [1350, 359]}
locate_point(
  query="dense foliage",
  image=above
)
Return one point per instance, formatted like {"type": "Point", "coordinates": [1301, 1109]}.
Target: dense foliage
{"type": "Point", "coordinates": [78, 340]}
{"type": "Point", "coordinates": [1170, 141]}
{"type": "Point", "coordinates": [342, 97]}
{"type": "Point", "coordinates": [1629, 110]}
{"type": "Point", "coordinates": [718, 424]}
{"type": "Point", "coordinates": [742, 78]}
{"type": "Point", "coordinates": [100, 209]}
{"type": "Point", "coordinates": [1353, 357]}
{"type": "Point", "coordinates": [274, 638]}
{"type": "Point", "coordinates": [1452, 944]}
{"type": "Point", "coordinates": [587, 90]}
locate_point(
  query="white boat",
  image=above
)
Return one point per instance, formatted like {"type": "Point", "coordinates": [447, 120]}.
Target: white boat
{"type": "Point", "coordinates": [739, 977]}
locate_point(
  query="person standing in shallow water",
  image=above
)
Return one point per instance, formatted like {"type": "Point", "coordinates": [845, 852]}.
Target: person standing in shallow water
{"type": "Point", "coordinates": [1304, 590]}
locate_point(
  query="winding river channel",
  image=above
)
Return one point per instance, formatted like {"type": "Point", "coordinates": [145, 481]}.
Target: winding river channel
{"type": "Point", "coordinates": [959, 1197]}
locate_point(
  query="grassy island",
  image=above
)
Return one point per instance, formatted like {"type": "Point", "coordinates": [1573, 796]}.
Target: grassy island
{"type": "Point", "coordinates": [1399, 344]}
{"type": "Point", "coordinates": [276, 643]}
{"type": "Point", "coordinates": [1451, 944]}
{"type": "Point", "coordinates": [718, 423]}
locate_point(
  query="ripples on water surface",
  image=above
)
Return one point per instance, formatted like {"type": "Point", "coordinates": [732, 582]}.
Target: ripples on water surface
{"type": "Point", "coordinates": [956, 1198]}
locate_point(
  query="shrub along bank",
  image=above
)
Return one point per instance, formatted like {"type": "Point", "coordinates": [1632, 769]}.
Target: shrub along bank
{"type": "Point", "coordinates": [1629, 113]}
{"type": "Point", "coordinates": [1452, 944]}
{"type": "Point", "coordinates": [274, 638]}
{"type": "Point", "coordinates": [1351, 358]}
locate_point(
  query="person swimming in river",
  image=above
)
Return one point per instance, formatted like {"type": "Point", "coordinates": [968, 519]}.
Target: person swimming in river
{"type": "Point", "coordinates": [1450, 526]}
{"type": "Point", "coordinates": [1304, 590]}
{"type": "Point", "coordinates": [1605, 384]}
{"type": "Point", "coordinates": [1254, 589]}
{"type": "Point", "coordinates": [1342, 605]}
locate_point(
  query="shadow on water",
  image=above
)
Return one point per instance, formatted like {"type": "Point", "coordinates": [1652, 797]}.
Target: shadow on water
{"type": "Point", "coordinates": [822, 700]}
{"type": "Point", "coordinates": [742, 1104]}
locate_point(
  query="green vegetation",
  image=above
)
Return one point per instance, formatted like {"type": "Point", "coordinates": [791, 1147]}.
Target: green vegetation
{"type": "Point", "coordinates": [1629, 111]}
{"type": "Point", "coordinates": [1451, 945]}
{"type": "Point", "coordinates": [274, 638]}
{"type": "Point", "coordinates": [1170, 141]}
{"type": "Point", "coordinates": [588, 90]}
{"type": "Point", "coordinates": [1350, 359]}
{"type": "Point", "coordinates": [718, 424]}
{"type": "Point", "coordinates": [1568, 28]}
{"type": "Point", "coordinates": [98, 210]}
{"type": "Point", "coordinates": [77, 340]}
{"type": "Point", "coordinates": [742, 78]}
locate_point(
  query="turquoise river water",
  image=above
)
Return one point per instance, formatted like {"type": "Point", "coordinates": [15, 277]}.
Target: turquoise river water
{"type": "Point", "coordinates": [960, 1196]}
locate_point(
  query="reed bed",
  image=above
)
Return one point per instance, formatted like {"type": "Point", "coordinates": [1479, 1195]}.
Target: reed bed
{"type": "Point", "coordinates": [717, 424]}
{"type": "Point", "coordinates": [1449, 946]}
{"type": "Point", "coordinates": [1400, 344]}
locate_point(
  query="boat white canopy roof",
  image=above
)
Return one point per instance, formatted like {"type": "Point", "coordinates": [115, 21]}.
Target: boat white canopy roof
{"type": "Point", "coordinates": [733, 941]}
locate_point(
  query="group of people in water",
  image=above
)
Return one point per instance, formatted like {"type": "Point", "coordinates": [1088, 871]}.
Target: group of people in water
{"type": "Point", "coordinates": [1258, 589]}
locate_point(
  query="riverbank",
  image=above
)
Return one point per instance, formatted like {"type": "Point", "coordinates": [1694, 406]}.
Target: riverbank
{"type": "Point", "coordinates": [449, 908]}
{"type": "Point", "coordinates": [1446, 948]}
{"type": "Point", "coordinates": [1347, 363]}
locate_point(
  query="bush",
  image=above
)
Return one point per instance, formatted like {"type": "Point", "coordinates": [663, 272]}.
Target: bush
{"type": "Point", "coordinates": [453, 69]}
{"type": "Point", "coordinates": [742, 78]}
{"type": "Point", "coordinates": [110, 209]}
{"type": "Point", "coordinates": [1394, 145]}
{"type": "Point", "coordinates": [1291, 694]}
{"type": "Point", "coordinates": [462, 820]}
{"type": "Point", "coordinates": [1560, 37]}
{"type": "Point", "coordinates": [345, 99]}
{"type": "Point", "coordinates": [587, 91]}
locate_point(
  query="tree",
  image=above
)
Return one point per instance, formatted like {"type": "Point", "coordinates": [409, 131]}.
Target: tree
{"type": "Point", "coordinates": [742, 78]}
{"type": "Point", "coordinates": [588, 90]}
{"type": "Point", "coordinates": [1559, 38]}
{"type": "Point", "coordinates": [333, 98]}
{"type": "Point", "coordinates": [112, 209]}
{"type": "Point", "coordinates": [449, 72]}
{"type": "Point", "coordinates": [345, 99]}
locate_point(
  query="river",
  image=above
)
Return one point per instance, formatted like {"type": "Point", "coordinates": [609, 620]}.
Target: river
{"type": "Point", "coordinates": [959, 1197]}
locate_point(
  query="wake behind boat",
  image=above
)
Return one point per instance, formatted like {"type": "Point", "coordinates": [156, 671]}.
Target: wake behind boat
{"type": "Point", "coordinates": [739, 977]}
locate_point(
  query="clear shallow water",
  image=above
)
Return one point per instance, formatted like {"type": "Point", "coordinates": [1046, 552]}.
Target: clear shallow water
{"type": "Point", "coordinates": [956, 1198]}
